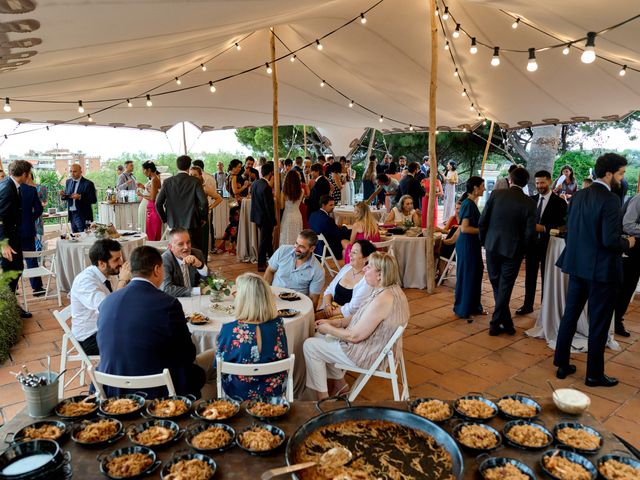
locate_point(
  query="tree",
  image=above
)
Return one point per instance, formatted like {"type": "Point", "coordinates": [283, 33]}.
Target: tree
{"type": "Point", "coordinates": [290, 141]}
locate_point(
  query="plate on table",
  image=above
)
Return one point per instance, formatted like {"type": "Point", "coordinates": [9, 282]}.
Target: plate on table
{"type": "Point", "coordinates": [289, 296]}
{"type": "Point", "coordinates": [197, 319]}
{"type": "Point", "coordinates": [288, 312]}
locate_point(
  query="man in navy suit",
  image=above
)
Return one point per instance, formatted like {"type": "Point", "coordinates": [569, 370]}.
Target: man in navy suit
{"type": "Point", "coordinates": [593, 260]}
{"type": "Point", "coordinates": [321, 223]}
{"type": "Point", "coordinates": [80, 195]}
{"type": "Point", "coordinates": [410, 185]}
{"type": "Point", "coordinates": [142, 330]}
{"type": "Point", "coordinates": [31, 211]}
{"type": "Point", "coordinates": [263, 213]}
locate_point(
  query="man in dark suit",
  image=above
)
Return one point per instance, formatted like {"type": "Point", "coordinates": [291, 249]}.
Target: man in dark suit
{"type": "Point", "coordinates": [31, 211]}
{"type": "Point", "coordinates": [182, 202]}
{"type": "Point", "coordinates": [410, 185]}
{"type": "Point", "coordinates": [593, 260]}
{"type": "Point", "coordinates": [10, 220]}
{"type": "Point", "coordinates": [184, 267]}
{"type": "Point", "coordinates": [320, 188]}
{"type": "Point", "coordinates": [142, 330]}
{"type": "Point", "coordinates": [551, 212]}
{"type": "Point", "coordinates": [80, 195]}
{"type": "Point", "coordinates": [507, 228]}
{"type": "Point", "coordinates": [321, 223]}
{"type": "Point", "coordinates": [263, 213]}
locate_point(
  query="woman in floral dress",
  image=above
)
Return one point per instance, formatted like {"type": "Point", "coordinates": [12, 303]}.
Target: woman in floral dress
{"type": "Point", "coordinates": [256, 336]}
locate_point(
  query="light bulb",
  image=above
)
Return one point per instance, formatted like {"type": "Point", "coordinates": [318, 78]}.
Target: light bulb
{"type": "Point", "coordinates": [471, 107]}
{"type": "Point", "coordinates": [80, 107]}
{"type": "Point", "coordinates": [484, 122]}
{"type": "Point", "coordinates": [363, 19]}
{"type": "Point", "coordinates": [7, 105]}
{"type": "Point", "coordinates": [89, 118]}
{"type": "Point", "coordinates": [464, 129]}
{"type": "Point", "coordinates": [495, 60]}
{"type": "Point", "coordinates": [445, 15]}
{"type": "Point", "coordinates": [479, 115]}
{"type": "Point", "coordinates": [203, 67]}
{"type": "Point", "coordinates": [269, 69]}
{"type": "Point", "coordinates": [622, 73]}
{"type": "Point", "coordinates": [292, 58]}
{"type": "Point", "coordinates": [178, 81]}
{"type": "Point", "coordinates": [446, 45]}
{"type": "Point", "coordinates": [455, 73]}
{"type": "Point", "coordinates": [464, 92]}
{"type": "Point", "coordinates": [322, 83]}
{"type": "Point", "coordinates": [589, 53]}
{"type": "Point", "coordinates": [149, 103]}
{"type": "Point", "coordinates": [129, 104]}
{"type": "Point", "coordinates": [474, 48]}
{"type": "Point", "coordinates": [437, 11]}
{"type": "Point", "coordinates": [532, 65]}
{"type": "Point", "coordinates": [351, 104]}
{"type": "Point", "coordinates": [319, 45]}
{"type": "Point", "coordinates": [411, 128]}
{"type": "Point", "coordinates": [514, 25]}
{"type": "Point", "coordinates": [565, 50]}
{"type": "Point", "coordinates": [238, 47]}
{"type": "Point", "coordinates": [456, 32]}
{"type": "Point", "coordinates": [212, 88]}
{"type": "Point", "coordinates": [381, 119]}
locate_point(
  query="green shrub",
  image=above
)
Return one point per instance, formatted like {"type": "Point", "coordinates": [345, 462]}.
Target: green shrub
{"type": "Point", "coordinates": [10, 321]}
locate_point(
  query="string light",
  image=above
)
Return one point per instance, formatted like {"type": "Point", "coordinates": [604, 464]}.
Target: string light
{"type": "Point", "coordinates": [89, 118]}
{"type": "Point", "coordinates": [484, 122]}
{"type": "Point", "coordinates": [319, 45]}
{"type": "Point", "coordinates": [149, 103]}
{"type": "Point", "coordinates": [178, 81]}
{"type": "Point", "coordinates": [471, 107]}
{"type": "Point", "coordinates": [464, 92]}
{"type": "Point", "coordinates": [322, 83]}
{"type": "Point", "coordinates": [411, 129]}
{"type": "Point", "coordinates": [474, 47]}
{"type": "Point", "coordinates": [446, 45]}
{"type": "Point", "coordinates": [495, 60]}
{"type": "Point", "coordinates": [269, 69]}
{"type": "Point", "coordinates": [464, 129]}
{"type": "Point", "coordinates": [7, 105]}
{"type": "Point", "coordinates": [292, 58]}
{"type": "Point", "coordinates": [351, 104]}
{"type": "Point", "coordinates": [212, 87]}
{"type": "Point", "coordinates": [515, 24]}
{"type": "Point", "coordinates": [565, 50]}
{"type": "Point", "coordinates": [437, 11]}
{"type": "Point", "coordinates": [129, 104]}
{"type": "Point", "coordinates": [238, 47]}
{"type": "Point", "coordinates": [445, 15]}
{"type": "Point", "coordinates": [80, 107]}
{"type": "Point", "coordinates": [381, 119]}
{"type": "Point", "coordinates": [532, 65]}
{"type": "Point", "coordinates": [455, 73]}
{"type": "Point", "coordinates": [456, 32]}
{"type": "Point", "coordinates": [622, 73]}
{"type": "Point", "coordinates": [589, 53]}
{"type": "Point", "coordinates": [203, 67]}
{"type": "Point", "coordinates": [363, 19]}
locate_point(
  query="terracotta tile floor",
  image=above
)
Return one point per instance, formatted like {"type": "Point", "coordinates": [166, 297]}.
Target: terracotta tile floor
{"type": "Point", "coordinates": [445, 357]}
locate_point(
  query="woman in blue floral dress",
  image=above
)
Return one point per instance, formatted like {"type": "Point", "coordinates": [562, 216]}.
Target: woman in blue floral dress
{"type": "Point", "coordinates": [257, 336]}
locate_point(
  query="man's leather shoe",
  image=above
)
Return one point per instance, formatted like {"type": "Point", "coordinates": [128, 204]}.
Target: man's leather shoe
{"type": "Point", "coordinates": [524, 310]}
{"type": "Point", "coordinates": [25, 314]}
{"type": "Point", "coordinates": [603, 381]}
{"type": "Point", "coordinates": [562, 372]}
{"type": "Point", "coordinates": [620, 330]}
{"type": "Point", "coordinates": [494, 332]}
{"type": "Point", "coordinates": [509, 330]}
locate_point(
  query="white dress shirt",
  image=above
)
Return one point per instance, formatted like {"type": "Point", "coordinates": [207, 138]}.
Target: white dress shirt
{"type": "Point", "coordinates": [87, 293]}
{"type": "Point", "coordinates": [360, 292]}
{"type": "Point", "coordinates": [203, 271]}
{"type": "Point", "coordinates": [545, 202]}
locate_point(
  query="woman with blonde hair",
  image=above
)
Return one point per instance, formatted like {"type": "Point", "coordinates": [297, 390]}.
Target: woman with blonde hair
{"type": "Point", "coordinates": [362, 337]}
{"type": "Point", "coordinates": [256, 336]}
{"type": "Point", "coordinates": [365, 227]}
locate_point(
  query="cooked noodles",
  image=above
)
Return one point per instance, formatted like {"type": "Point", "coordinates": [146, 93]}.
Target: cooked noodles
{"type": "Point", "coordinates": [528, 436]}
{"type": "Point", "coordinates": [169, 408]}
{"type": "Point", "coordinates": [477, 436]}
{"type": "Point", "coordinates": [578, 438]}
{"type": "Point", "coordinates": [129, 465]}
{"type": "Point", "coordinates": [264, 409]}
{"type": "Point", "coordinates": [508, 471]}
{"type": "Point", "coordinates": [475, 408]}
{"type": "Point", "coordinates": [516, 408]}
{"type": "Point", "coordinates": [44, 432]}
{"type": "Point", "coordinates": [76, 409]}
{"type": "Point", "coordinates": [435, 410]}
{"type": "Point", "coordinates": [99, 431]}
{"type": "Point", "coordinates": [193, 469]}
{"type": "Point", "coordinates": [219, 410]}
{"type": "Point", "coordinates": [259, 439]}
{"type": "Point", "coordinates": [120, 406]}
{"type": "Point", "coordinates": [615, 470]}
{"type": "Point", "coordinates": [211, 438]}
{"type": "Point", "coordinates": [565, 469]}
{"type": "Point", "coordinates": [154, 435]}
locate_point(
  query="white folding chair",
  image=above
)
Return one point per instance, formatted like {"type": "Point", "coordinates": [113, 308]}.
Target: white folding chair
{"type": "Point", "coordinates": [40, 271]}
{"type": "Point", "coordinates": [70, 344]}
{"type": "Point", "coordinates": [161, 245]}
{"type": "Point", "coordinates": [451, 263]}
{"type": "Point", "coordinates": [395, 362]}
{"type": "Point", "coordinates": [327, 254]}
{"type": "Point", "coordinates": [386, 246]}
{"type": "Point", "coordinates": [255, 369]}
{"type": "Point", "coordinates": [99, 379]}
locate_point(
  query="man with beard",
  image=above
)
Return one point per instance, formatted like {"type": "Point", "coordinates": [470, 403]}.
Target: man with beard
{"type": "Point", "coordinates": [91, 287]}
{"type": "Point", "coordinates": [184, 267]}
{"type": "Point", "coordinates": [593, 260]}
{"type": "Point", "coordinates": [295, 267]}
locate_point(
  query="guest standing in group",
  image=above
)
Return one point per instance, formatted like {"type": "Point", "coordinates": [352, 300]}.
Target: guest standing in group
{"type": "Point", "coordinates": [469, 266]}
{"type": "Point", "coordinates": [31, 208]}
{"type": "Point", "coordinates": [426, 184]}
{"type": "Point", "coordinates": [346, 177]}
{"type": "Point", "coordinates": [43, 194]}
{"type": "Point", "coordinates": [369, 178]}
{"type": "Point", "coordinates": [80, 194]}
{"type": "Point", "coordinates": [364, 227]}
{"type": "Point", "coordinates": [409, 185]}
{"type": "Point", "coordinates": [237, 185]}
{"type": "Point", "coordinates": [333, 175]}
{"type": "Point", "coordinates": [213, 200]}
{"type": "Point", "coordinates": [291, 197]}
{"type": "Point", "coordinates": [566, 185]}
{"type": "Point", "coordinates": [450, 182]}
{"type": "Point", "coordinates": [153, 223]}
{"type": "Point", "coordinates": [404, 212]}
{"type": "Point", "coordinates": [386, 191]}
{"type": "Point", "coordinates": [592, 259]}
{"type": "Point", "coordinates": [507, 230]}
{"type": "Point", "coordinates": [263, 213]}
{"type": "Point", "coordinates": [126, 180]}
{"type": "Point", "coordinates": [221, 179]}
{"type": "Point", "coordinates": [182, 203]}
{"type": "Point", "coordinates": [551, 212]}
{"type": "Point", "coordinates": [321, 187]}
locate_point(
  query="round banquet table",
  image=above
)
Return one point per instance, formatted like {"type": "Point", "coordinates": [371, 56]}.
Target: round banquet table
{"type": "Point", "coordinates": [73, 256]}
{"type": "Point", "coordinates": [345, 215]}
{"type": "Point", "coordinates": [247, 248]}
{"type": "Point", "coordinates": [411, 255]}
{"type": "Point", "coordinates": [297, 328]}
{"type": "Point", "coordinates": [120, 215]}
{"type": "Point", "coordinates": [556, 284]}
{"type": "Point", "coordinates": [220, 216]}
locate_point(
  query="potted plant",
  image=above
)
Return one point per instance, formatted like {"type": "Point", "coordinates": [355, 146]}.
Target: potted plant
{"type": "Point", "coordinates": [217, 286]}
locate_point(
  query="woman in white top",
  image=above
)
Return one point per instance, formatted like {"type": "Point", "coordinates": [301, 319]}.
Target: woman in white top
{"type": "Point", "coordinates": [450, 183]}
{"type": "Point", "coordinates": [403, 212]}
{"type": "Point", "coordinates": [348, 290]}
{"type": "Point", "coordinates": [291, 196]}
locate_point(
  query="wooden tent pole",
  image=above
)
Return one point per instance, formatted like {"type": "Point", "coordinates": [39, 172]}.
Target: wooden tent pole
{"type": "Point", "coordinates": [372, 140]}
{"type": "Point", "coordinates": [433, 87]}
{"type": "Point", "coordinates": [304, 132]}
{"type": "Point", "coordinates": [486, 148]}
{"type": "Point", "coordinates": [276, 156]}
{"type": "Point", "coordinates": [184, 139]}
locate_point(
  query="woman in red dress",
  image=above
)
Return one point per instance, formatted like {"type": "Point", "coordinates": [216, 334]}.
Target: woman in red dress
{"type": "Point", "coordinates": [426, 184]}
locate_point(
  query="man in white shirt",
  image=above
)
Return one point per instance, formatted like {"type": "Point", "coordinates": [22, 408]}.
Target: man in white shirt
{"type": "Point", "coordinates": [91, 287]}
{"type": "Point", "coordinates": [184, 266]}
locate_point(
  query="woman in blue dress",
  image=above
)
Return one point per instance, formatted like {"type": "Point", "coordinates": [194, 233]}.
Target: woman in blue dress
{"type": "Point", "coordinates": [257, 336]}
{"type": "Point", "coordinates": [469, 264]}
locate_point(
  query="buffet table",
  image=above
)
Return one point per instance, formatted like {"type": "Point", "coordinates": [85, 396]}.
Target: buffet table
{"type": "Point", "coordinates": [247, 249]}
{"type": "Point", "coordinates": [235, 464]}
{"type": "Point", "coordinates": [220, 217]}
{"type": "Point", "coordinates": [121, 215]}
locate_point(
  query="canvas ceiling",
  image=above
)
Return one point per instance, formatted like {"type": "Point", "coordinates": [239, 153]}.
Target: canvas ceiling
{"type": "Point", "coordinates": [97, 49]}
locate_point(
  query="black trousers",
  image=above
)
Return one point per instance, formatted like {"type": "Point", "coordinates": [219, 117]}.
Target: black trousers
{"type": "Point", "coordinates": [503, 272]}
{"type": "Point", "coordinates": [78, 223]}
{"type": "Point", "coordinates": [601, 297]}
{"type": "Point", "coordinates": [90, 345]}
{"type": "Point", "coordinates": [534, 261]}
{"type": "Point", "coordinates": [196, 240]}
{"type": "Point", "coordinates": [265, 247]}
{"type": "Point", "coordinates": [630, 277]}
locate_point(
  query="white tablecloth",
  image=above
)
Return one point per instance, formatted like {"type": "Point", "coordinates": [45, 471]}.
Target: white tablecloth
{"type": "Point", "coordinates": [122, 215]}
{"type": "Point", "coordinates": [220, 216]}
{"type": "Point", "coordinates": [297, 328]}
{"type": "Point", "coordinates": [344, 214]}
{"type": "Point", "coordinates": [556, 284]}
{"type": "Point", "coordinates": [73, 257]}
{"type": "Point", "coordinates": [247, 249]}
{"type": "Point", "coordinates": [411, 254]}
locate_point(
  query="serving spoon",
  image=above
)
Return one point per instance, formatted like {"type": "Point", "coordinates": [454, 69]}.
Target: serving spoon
{"type": "Point", "coordinates": [336, 456]}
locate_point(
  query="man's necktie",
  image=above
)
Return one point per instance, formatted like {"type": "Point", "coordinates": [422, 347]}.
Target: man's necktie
{"type": "Point", "coordinates": [107, 284]}
{"type": "Point", "coordinates": [539, 209]}
{"type": "Point", "coordinates": [185, 275]}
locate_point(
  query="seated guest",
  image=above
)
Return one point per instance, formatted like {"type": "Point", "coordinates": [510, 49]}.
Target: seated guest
{"type": "Point", "coordinates": [256, 336]}
{"type": "Point", "coordinates": [295, 267]}
{"type": "Point", "coordinates": [365, 227]}
{"type": "Point", "coordinates": [184, 267]}
{"type": "Point", "coordinates": [321, 223]}
{"type": "Point", "coordinates": [91, 287]}
{"type": "Point", "coordinates": [403, 212]}
{"type": "Point", "coordinates": [348, 289]}
{"type": "Point", "coordinates": [142, 330]}
{"type": "Point", "coordinates": [362, 337]}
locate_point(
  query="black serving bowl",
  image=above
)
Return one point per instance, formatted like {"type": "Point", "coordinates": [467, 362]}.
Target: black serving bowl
{"type": "Point", "coordinates": [102, 443]}
{"type": "Point", "coordinates": [414, 404]}
{"type": "Point", "coordinates": [522, 399]}
{"type": "Point", "coordinates": [475, 397]}
{"type": "Point", "coordinates": [632, 462]}
{"type": "Point", "coordinates": [176, 432]}
{"type": "Point", "coordinates": [289, 296]}
{"type": "Point", "coordinates": [271, 428]}
{"type": "Point", "coordinates": [31, 459]}
{"type": "Point", "coordinates": [20, 435]}
{"type": "Point", "coordinates": [196, 428]}
{"type": "Point", "coordinates": [474, 450]}
{"type": "Point", "coordinates": [139, 398]}
{"type": "Point", "coordinates": [577, 426]}
{"type": "Point", "coordinates": [272, 401]}
{"type": "Point", "coordinates": [187, 399]}
{"type": "Point", "coordinates": [202, 406]}
{"type": "Point", "coordinates": [509, 425]}
{"type": "Point", "coordinates": [104, 460]}
{"type": "Point", "coordinates": [571, 456]}
{"type": "Point", "coordinates": [494, 462]}
{"type": "Point", "coordinates": [76, 399]}
{"type": "Point", "coordinates": [189, 456]}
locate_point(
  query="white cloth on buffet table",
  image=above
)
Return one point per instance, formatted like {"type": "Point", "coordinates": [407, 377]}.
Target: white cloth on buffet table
{"type": "Point", "coordinates": [121, 215]}
{"type": "Point", "coordinates": [247, 249]}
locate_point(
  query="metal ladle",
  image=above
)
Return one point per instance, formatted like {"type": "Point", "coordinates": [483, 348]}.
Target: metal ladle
{"type": "Point", "coordinates": [336, 456]}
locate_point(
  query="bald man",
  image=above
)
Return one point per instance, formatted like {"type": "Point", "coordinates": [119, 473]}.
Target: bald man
{"type": "Point", "coordinates": [80, 194]}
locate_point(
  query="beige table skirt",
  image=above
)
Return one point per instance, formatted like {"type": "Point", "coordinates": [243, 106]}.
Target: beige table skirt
{"type": "Point", "coordinates": [247, 249]}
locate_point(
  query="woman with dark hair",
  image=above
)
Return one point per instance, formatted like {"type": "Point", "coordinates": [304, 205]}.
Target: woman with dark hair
{"type": "Point", "coordinates": [291, 196]}
{"type": "Point", "coordinates": [450, 183]}
{"type": "Point", "coordinates": [392, 171]}
{"type": "Point", "coordinates": [469, 265]}
{"type": "Point", "coordinates": [333, 175]}
{"type": "Point", "coordinates": [237, 185]}
{"type": "Point", "coordinates": [153, 222]}
{"type": "Point", "coordinates": [566, 185]}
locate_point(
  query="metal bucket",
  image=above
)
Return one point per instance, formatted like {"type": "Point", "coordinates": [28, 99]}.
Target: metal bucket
{"type": "Point", "coordinates": [41, 400]}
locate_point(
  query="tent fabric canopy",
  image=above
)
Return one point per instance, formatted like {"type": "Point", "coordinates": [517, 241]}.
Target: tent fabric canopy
{"type": "Point", "coordinates": [109, 49]}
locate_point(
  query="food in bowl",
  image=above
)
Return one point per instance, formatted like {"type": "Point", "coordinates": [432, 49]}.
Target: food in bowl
{"type": "Point", "coordinates": [120, 406]}
{"type": "Point", "coordinates": [571, 401]}
{"type": "Point", "coordinates": [578, 438]}
{"type": "Point", "coordinates": [508, 471]}
{"type": "Point", "coordinates": [169, 408]}
{"type": "Point", "coordinates": [96, 432]}
{"type": "Point", "coordinates": [211, 438]}
{"type": "Point", "coordinates": [192, 469]}
{"type": "Point", "coordinates": [264, 409]}
{"type": "Point", "coordinates": [516, 408]}
{"type": "Point", "coordinates": [434, 410]}
{"type": "Point", "coordinates": [528, 436]}
{"type": "Point", "coordinates": [76, 409]}
{"type": "Point", "coordinates": [613, 469]}
{"type": "Point", "coordinates": [128, 465]}
{"type": "Point", "coordinates": [197, 318]}
{"type": "Point", "coordinates": [43, 432]}
{"type": "Point", "coordinates": [154, 435]}
{"type": "Point", "coordinates": [477, 437]}
{"type": "Point", "coordinates": [564, 469]}
{"type": "Point", "coordinates": [259, 439]}
{"type": "Point", "coordinates": [474, 408]}
{"type": "Point", "coordinates": [219, 410]}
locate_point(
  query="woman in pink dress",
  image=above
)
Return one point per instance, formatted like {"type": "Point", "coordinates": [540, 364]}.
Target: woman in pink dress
{"type": "Point", "coordinates": [365, 227]}
{"type": "Point", "coordinates": [153, 223]}
{"type": "Point", "coordinates": [426, 184]}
